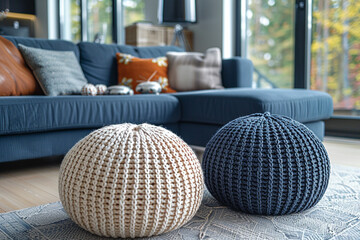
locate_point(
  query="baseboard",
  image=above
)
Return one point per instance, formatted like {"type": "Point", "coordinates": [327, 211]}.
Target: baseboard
{"type": "Point", "coordinates": [339, 126]}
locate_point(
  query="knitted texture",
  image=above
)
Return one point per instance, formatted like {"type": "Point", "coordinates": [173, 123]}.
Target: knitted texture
{"type": "Point", "coordinates": [131, 181]}
{"type": "Point", "coordinates": [266, 164]}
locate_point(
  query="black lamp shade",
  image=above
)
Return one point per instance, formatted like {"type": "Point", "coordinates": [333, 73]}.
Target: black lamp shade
{"type": "Point", "coordinates": [177, 11]}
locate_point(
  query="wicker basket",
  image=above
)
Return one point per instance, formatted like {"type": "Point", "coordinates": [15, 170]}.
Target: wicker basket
{"type": "Point", "coordinates": [149, 35]}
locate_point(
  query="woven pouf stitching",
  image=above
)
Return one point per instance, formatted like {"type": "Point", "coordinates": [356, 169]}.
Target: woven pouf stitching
{"type": "Point", "coordinates": [266, 164]}
{"type": "Point", "coordinates": [131, 181]}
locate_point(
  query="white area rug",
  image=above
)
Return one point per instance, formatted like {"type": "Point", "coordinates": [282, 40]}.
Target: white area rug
{"type": "Point", "coordinates": [336, 216]}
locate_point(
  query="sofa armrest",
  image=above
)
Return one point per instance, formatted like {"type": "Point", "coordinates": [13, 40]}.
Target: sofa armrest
{"type": "Point", "coordinates": [237, 72]}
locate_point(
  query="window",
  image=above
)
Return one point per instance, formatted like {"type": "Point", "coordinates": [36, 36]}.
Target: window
{"type": "Point", "coordinates": [283, 45]}
{"type": "Point", "coordinates": [335, 53]}
{"type": "Point", "coordinates": [306, 44]}
{"type": "Point", "coordinates": [270, 42]}
{"type": "Point", "coordinates": [133, 11]}
{"type": "Point", "coordinates": [98, 20]}
{"type": "Point", "coordinates": [70, 14]}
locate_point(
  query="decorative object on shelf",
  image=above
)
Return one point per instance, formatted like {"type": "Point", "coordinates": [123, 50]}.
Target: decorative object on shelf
{"type": "Point", "coordinates": [12, 27]}
{"type": "Point", "coordinates": [131, 180]}
{"type": "Point", "coordinates": [178, 12]}
{"type": "Point", "coordinates": [119, 90]}
{"type": "Point", "coordinates": [3, 14]}
{"type": "Point", "coordinates": [266, 164]}
{"type": "Point", "coordinates": [101, 89]}
{"type": "Point", "coordinates": [89, 90]}
{"type": "Point", "coordinates": [130, 68]}
{"type": "Point", "coordinates": [23, 7]}
{"type": "Point", "coordinates": [190, 71]}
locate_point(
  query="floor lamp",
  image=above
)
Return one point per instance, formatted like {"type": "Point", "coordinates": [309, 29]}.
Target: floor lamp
{"type": "Point", "coordinates": [180, 13]}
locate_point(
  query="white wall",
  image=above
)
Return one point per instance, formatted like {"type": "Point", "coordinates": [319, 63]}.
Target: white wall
{"type": "Point", "coordinates": [53, 21]}
{"type": "Point", "coordinates": [41, 24]}
{"type": "Point", "coordinates": [228, 28]}
{"type": "Point", "coordinates": [46, 24]}
{"type": "Point", "coordinates": [151, 11]}
{"type": "Point", "coordinates": [208, 30]}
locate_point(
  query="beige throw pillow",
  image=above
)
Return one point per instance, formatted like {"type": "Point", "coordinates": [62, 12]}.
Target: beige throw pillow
{"type": "Point", "coordinates": [188, 71]}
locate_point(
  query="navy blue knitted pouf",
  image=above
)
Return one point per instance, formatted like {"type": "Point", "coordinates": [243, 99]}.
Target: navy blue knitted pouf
{"type": "Point", "coordinates": [266, 164]}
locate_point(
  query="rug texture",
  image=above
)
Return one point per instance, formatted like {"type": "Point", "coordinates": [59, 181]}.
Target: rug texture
{"type": "Point", "coordinates": [336, 216]}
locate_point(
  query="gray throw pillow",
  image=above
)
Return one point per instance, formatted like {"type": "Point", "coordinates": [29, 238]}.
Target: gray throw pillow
{"type": "Point", "coordinates": [188, 71]}
{"type": "Point", "coordinates": [58, 72]}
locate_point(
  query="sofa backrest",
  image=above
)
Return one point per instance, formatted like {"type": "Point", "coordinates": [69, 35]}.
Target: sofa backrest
{"type": "Point", "coordinates": [98, 61]}
{"type": "Point", "coordinates": [56, 45]}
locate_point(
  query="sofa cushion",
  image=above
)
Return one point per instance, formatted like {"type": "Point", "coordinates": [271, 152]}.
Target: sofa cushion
{"type": "Point", "coordinates": [98, 61]}
{"type": "Point", "coordinates": [26, 114]}
{"type": "Point", "coordinates": [222, 106]}
{"type": "Point", "coordinates": [15, 77]}
{"type": "Point", "coordinates": [189, 71]}
{"type": "Point", "coordinates": [133, 71]}
{"type": "Point", "coordinates": [58, 72]}
{"type": "Point", "coordinates": [56, 45]}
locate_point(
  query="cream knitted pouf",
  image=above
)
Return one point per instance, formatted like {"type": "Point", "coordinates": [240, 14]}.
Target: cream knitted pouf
{"type": "Point", "coordinates": [131, 181]}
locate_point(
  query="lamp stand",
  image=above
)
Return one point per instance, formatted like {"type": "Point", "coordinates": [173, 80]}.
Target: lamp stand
{"type": "Point", "coordinates": [180, 38]}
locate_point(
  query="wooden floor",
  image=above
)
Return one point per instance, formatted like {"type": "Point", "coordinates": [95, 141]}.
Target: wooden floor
{"type": "Point", "coordinates": [23, 185]}
{"type": "Point", "coordinates": [32, 183]}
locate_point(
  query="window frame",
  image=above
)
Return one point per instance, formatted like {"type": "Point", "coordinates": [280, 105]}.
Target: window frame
{"type": "Point", "coordinates": [117, 30]}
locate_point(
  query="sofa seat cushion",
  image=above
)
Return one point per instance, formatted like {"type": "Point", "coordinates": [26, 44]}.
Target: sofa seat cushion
{"type": "Point", "coordinates": [222, 106]}
{"type": "Point", "coordinates": [25, 114]}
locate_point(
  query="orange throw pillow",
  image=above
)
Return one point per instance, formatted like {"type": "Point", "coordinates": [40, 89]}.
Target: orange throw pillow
{"type": "Point", "coordinates": [15, 77]}
{"type": "Point", "coordinates": [133, 71]}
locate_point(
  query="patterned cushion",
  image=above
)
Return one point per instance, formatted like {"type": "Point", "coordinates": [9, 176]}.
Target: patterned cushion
{"type": "Point", "coordinates": [266, 164]}
{"type": "Point", "coordinates": [133, 70]}
{"type": "Point", "coordinates": [58, 72]}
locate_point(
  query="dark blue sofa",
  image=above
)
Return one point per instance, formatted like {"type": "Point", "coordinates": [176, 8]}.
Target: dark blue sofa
{"type": "Point", "coordinates": [40, 126]}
